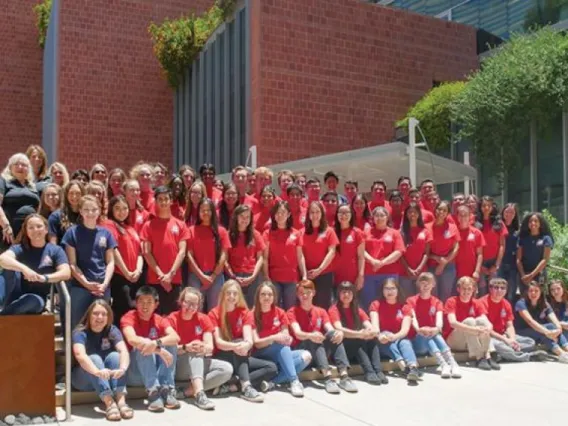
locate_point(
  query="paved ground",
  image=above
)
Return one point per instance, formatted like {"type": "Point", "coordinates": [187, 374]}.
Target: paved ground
{"type": "Point", "coordinates": [519, 394]}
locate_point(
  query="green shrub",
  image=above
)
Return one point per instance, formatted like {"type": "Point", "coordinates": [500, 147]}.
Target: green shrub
{"type": "Point", "coordinates": [559, 254]}
{"type": "Point", "coordinates": [43, 12]}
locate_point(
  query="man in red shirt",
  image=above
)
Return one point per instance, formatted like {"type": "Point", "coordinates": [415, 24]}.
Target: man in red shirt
{"type": "Point", "coordinates": [263, 177]}
{"type": "Point", "coordinates": [415, 197]}
{"type": "Point", "coordinates": [379, 195]}
{"type": "Point", "coordinates": [207, 174]}
{"type": "Point", "coordinates": [240, 179]}
{"type": "Point", "coordinates": [313, 189]}
{"type": "Point", "coordinates": [467, 327]}
{"type": "Point", "coordinates": [153, 344]}
{"type": "Point", "coordinates": [285, 179]}
{"type": "Point", "coordinates": [351, 189]}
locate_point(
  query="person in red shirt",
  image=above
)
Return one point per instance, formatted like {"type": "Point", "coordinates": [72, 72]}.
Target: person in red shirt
{"type": "Point", "coordinates": [360, 207]}
{"type": "Point", "coordinates": [428, 321]}
{"type": "Point", "coordinates": [116, 179]}
{"type": "Point", "coordinates": [263, 177]}
{"type": "Point", "coordinates": [414, 196]}
{"type": "Point", "coordinates": [300, 179]}
{"type": "Point", "coordinates": [137, 216]}
{"type": "Point", "coordinates": [350, 189]}
{"type": "Point", "coordinates": [195, 348]}
{"type": "Point", "coordinates": [128, 261]}
{"type": "Point", "coordinates": [349, 261]}
{"type": "Point", "coordinates": [431, 202]}
{"type": "Point", "coordinates": [467, 327]}
{"type": "Point", "coordinates": [504, 339]}
{"type": "Point", "coordinates": [313, 189]}
{"type": "Point", "coordinates": [179, 197]}
{"type": "Point", "coordinates": [233, 340]}
{"type": "Point", "coordinates": [458, 200]}
{"type": "Point", "coordinates": [187, 174]}
{"type": "Point", "coordinates": [207, 174]}
{"type": "Point", "coordinates": [229, 201]}
{"type": "Point", "coordinates": [495, 233]}
{"type": "Point", "coordinates": [391, 320]}
{"type": "Point", "coordinates": [379, 195]}
{"type": "Point", "coordinates": [283, 256]}
{"type": "Point", "coordinates": [262, 217]}
{"type": "Point", "coordinates": [195, 194]}
{"type": "Point", "coordinates": [152, 342]}
{"type": "Point", "coordinates": [473, 203]}
{"type": "Point", "coordinates": [272, 340]}
{"type": "Point", "coordinates": [144, 174]}
{"type": "Point", "coordinates": [330, 202]}
{"type": "Point", "coordinates": [164, 242]}
{"type": "Point", "coordinates": [426, 187]}
{"type": "Point", "coordinates": [207, 253]}
{"type": "Point", "coordinates": [360, 339]}
{"type": "Point", "coordinates": [295, 201]}
{"type": "Point", "coordinates": [313, 332]}
{"type": "Point", "coordinates": [239, 177]}
{"type": "Point", "coordinates": [319, 245]}
{"type": "Point", "coordinates": [403, 186]}
{"type": "Point", "coordinates": [417, 239]}
{"type": "Point", "coordinates": [245, 257]}
{"type": "Point", "coordinates": [383, 248]}
{"type": "Point", "coordinates": [470, 251]}
{"type": "Point", "coordinates": [443, 250]}
{"type": "Point", "coordinates": [396, 203]}
{"type": "Point", "coordinates": [285, 179]}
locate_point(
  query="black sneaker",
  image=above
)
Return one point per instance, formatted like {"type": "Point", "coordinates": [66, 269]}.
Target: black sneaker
{"type": "Point", "coordinates": [483, 364]}
{"type": "Point", "coordinates": [372, 379]}
{"type": "Point", "coordinates": [383, 378]}
{"type": "Point", "coordinates": [168, 396]}
{"type": "Point", "coordinates": [494, 364]}
{"type": "Point", "coordinates": [412, 375]}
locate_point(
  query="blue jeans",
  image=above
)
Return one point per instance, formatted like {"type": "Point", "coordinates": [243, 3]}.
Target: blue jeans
{"type": "Point", "coordinates": [211, 295]}
{"type": "Point", "coordinates": [290, 363]}
{"type": "Point", "coordinates": [250, 291]}
{"type": "Point", "coordinates": [286, 294]}
{"type": "Point", "coordinates": [542, 339]}
{"type": "Point", "coordinates": [429, 345]}
{"type": "Point", "coordinates": [150, 371]}
{"type": "Point", "coordinates": [510, 273]}
{"type": "Point", "coordinates": [86, 382]}
{"type": "Point", "coordinates": [445, 283]}
{"type": "Point", "coordinates": [373, 288]}
{"type": "Point", "coordinates": [15, 302]}
{"type": "Point", "coordinates": [81, 299]}
{"type": "Point", "coordinates": [399, 350]}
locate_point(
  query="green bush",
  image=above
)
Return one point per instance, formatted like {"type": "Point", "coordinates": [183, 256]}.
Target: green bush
{"type": "Point", "coordinates": [43, 12]}
{"type": "Point", "coordinates": [559, 254]}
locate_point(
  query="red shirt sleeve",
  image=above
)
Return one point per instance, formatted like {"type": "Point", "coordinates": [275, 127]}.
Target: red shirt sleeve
{"type": "Point", "coordinates": [439, 305]}
{"type": "Point", "coordinates": [214, 317]}
{"type": "Point", "coordinates": [128, 319]}
{"type": "Point", "coordinates": [375, 306]}
{"type": "Point", "coordinates": [398, 241]}
{"type": "Point", "coordinates": [291, 314]}
{"type": "Point", "coordinates": [162, 323]}
{"type": "Point", "coordinates": [480, 239]}
{"type": "Point", "coordinates": [184, 231]}
{"type": "Point", "coordinates": [250, 319]}
{"type": "Point", "coordinates": [450, 307]}
{"type": "Point", "coordinates": [363, 315]}
{"type": "Point", "coordinates": [206, 323]}
{"type": "Point", "coordinates": [324, 316]}
{"type": "Point", "coordinates": [332, 239]}
{"type": "Point", "coordinates": [259, 241]}
{"type": "Point", "coordinates": [225, 240]}
{"type": "Point", "coordinates": [407, 310]}
{"type": "Point", "coordinates": [509, 311]}
{"type": "Point", "coordinates": [299, 238]}
{"type": "Point", "coordinates": [145, 232]}
{"type": "Point", "coordinates": [282, 317]}
{"type": "Point", "coordinates": [455, 232]}
{"type": "Point", "coordinates": [480, 308]}
{"type": "Point", "coordinates": [334, 314]}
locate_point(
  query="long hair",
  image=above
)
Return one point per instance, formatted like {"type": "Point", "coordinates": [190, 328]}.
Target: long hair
{"type": "Point", "coordinates": [91, 189]}
{"type": "Point", "coordinates": [557, 306]}
{"type": "Point", "coordinates": [19, 158]}
{"type": "Point", "coordinates": [353, 307]}
{"type": "Point", "coordinates": [541, 302]}
{"type": "Point", "coordinates": [514, 227]}
{"type": "Point", "coordinates": [214, 225]}
{"type": "Point", "coordinates": [43, 208]}
{"type": "Point", "coordinates": [224, 214]}
{"type": "Point", "coordinates": [399, 293]}
{"type": "Point", "coordinates": [338, 229]}
{"type": "Point", "coordinates": [544, 226]}
{"type": "Point", "coordinates": [234, 226]}
{"type": "Point", "coordinates": [366, 210]}
{"type": "Point", "coordinates": [405, 231]}
{"type": "Point", "coordinates": [119, 224]}
{"type": "Point", "coordinates": [181, 197]}
{"type": "Point", "coordinates": [189, 205]}
{"type": "Point", "coordinates": [96, 167]}
{"type": "Point", "coordinates": [323, 221]}
{"type": "Point", "coordinates": [275, 208]}
{"type": "Point", "coordinates": [85, 323]}
{"type": "Point", "coordinates": [115, 171]}
{"type": "Point", "coordinates": [225, 327]}
{"type": "Point", "coordinates": [68, 216]}
{"type": "Point", "coordinates": [42, 172]}
{"type": "Point", "coordinates": [128, 183]}
{"type": "Point", "coordinates": [22, 237]}
{"type": "Point", "coordinates": [63, 169]}
{"type": "Point", "coordinates": [257, 308]}
{"type": "Point", "coordinates": [494, 216]}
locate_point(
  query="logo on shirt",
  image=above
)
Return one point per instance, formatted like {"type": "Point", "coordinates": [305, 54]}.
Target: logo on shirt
{"type": "Point", "coordinates": [46, 262]}
{"type": "Point", "coordinates": [318, 323]}
{"type": "Point", "coordinates": [471, 311]}
{"type": "Point", "coordinates": [542, 315]}
{"type": "Point", "coordinates": [139, 219]}
{"type": "Point", "coordinates": [198, 330]}
{"type": "Point", "coordinates": [105, 344]}
{"type": "Point", "coordinates": [292, 238]}
{"type": "Point", "coordinates": [432, 311]}
{"type": "Point", "coordinates": [153, 333]}
{"type": "Point", "coordinates": [539, 242]}
{"type": "Point", "coordinates": [421, 236]}
{"type": "Point", "coordinates": [447, 234]}
{"type": "Point", "coordinates": [388, 239]}
{"type": "Point", "coordinates": [102, 242]}
{"type": "Point", "coordinates": [399, 314]}
{"type": "Point", "coordinates": [175, 230]}
{"type": "Point", "coordinates": [239, 323]}
{"type": "Point", "coordinates": [349, 239]}
{"type": "Point", "coordinates": [503, 313]}
{"type": "Point", "coordinates": [276, 322]}
{"type": "Point", "coordinates": [321, 236]}
{"type": "Point", "coordinates": [471, 237]}
{"type": "Point", "coordinates": [302, 219]}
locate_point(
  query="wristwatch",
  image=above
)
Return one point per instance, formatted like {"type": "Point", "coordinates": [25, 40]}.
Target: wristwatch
{"type": "Point", "coordinates": [46, 278]}
{"type": "Point", "coordinates": [159, 344]}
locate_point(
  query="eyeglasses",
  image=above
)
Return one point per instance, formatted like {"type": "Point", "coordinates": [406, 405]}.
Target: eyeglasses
{"type": "Point", "coordinates": [390, 288]}
{"type": "Point", "coordinates": [498, 287]}
{"type": "Point", "coordinates": [99, 172]}
{"type": "Point", "coordinates": [190, 305]}
{"type": "Point", "coordinates": [344, 213]}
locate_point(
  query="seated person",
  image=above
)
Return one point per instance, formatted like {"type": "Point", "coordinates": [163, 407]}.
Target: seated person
{"type": "Point", "coordinates": [558, 299]}
{"type": "Point", "coordinates": [38, 263]}
{"type": "Point", "coordinates": [152, 342]}
{"type": "Point", "coordinates": [313, 332]}
{"type": "Point", "coordinates": [103, 360]}
{"type": "Point", "coordinates": [195, 348]}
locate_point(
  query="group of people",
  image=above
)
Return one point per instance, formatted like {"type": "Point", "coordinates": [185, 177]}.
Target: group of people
{"type": "Point", "coordinates": [162, 271]}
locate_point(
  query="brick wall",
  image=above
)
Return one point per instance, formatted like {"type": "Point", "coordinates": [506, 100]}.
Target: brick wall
{"type": "Point", "coordinates": [333, 75]}
{"type": "Point", "coordinates": [116, 107]}
{"type": "Point", "coordinates": [20, 79]}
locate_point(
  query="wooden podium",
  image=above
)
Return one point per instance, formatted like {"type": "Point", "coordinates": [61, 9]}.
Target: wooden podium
{"type": "Point", "coordinates": [27, 366]}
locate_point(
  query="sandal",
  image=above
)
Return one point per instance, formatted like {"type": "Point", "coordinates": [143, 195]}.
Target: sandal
{"type": "Point", "coordinates": [112, 413]}
{"type": "Point", "coordinates": [126, 412]}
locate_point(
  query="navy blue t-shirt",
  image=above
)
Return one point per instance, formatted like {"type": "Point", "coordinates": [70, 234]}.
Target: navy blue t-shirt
{"type": "Point", "coordinates": [102, 343]}
{"type": "Point", "coordinates": [90, 247]}
{"type": "Point", "coordinates": [561, 311]}
{"type": "Point", "coordinates": [54, 224]}
{"type": "Point", "coordinates": [510, 254]}
{"type": "Point", "coordinates": [533, 250]}
{"type": "Point", "coordinates": [43, 260]}
{"type": "Point", "coordinates": [19, 201]}
{"type": "Point", "coordinates": [540, 316]}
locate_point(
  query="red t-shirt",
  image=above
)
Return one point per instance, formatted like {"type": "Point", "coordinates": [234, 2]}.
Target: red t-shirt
{"type": "Point", "coordinates": [272, 321]}
{"type": "Point", "coordinates": [454, 305]}
{"type": "Point", "coordinates": [190, 330]}
{"type": "Point", "coordinates": [242, 258]}
{"type": "Point", "coordinates": [202, 245]}
{"type": "Point", "coordinates": [178, 210]}
{"type": "Point", "coordinates": [379, 244]}
{"type": "Point", "coordinates": [316, 245]}
{"type": "Point", "coordinates": [498, 313]}
{"type": "Point", "coordinates": [391, 316]}
{"type": "Point", "coordinates": [248, 200]}
{"type": "Point", "coordinates": [396, 219]}
{"type": "Point", "coordinates": [165, 236]}
{"type": "Point", "coordinates": [153, 329]}
{"type": "Point", "coordinates": [215, 194]}
{"type": "Point", "coordinates": [335, 316]}
{"type": "Point", "coordinates": [138, 218]}
{"type": "Point", "coordinates": [282, 254]}
{"type": "Point", "coordinates": [345, 262]}
{"type": "Point", "coordinates": [384, 203]}
{"type": "Point", "coordinates": [471, 239]}
{"type": "Point", "coordinates": [128, 245]}
{"type": "Point", "coordinates": [309, 321]}
{"type": "Point", "coordinates": [427, 216]}
{"type": "Point", "coordinates": [262, 220]}
{"type": "Point", "coordinates": [148, 201]}
{"type": "Point", "coordinates": [425, 309]}
{"type": "Point", "coordinates": [443, 239]}
{"type": "Point", "coordinates": [492, 239]}
{"type": "Point", "coordinates": [236, 319]}
{"type": "Point", "coordinates": [299, 219]}
{"type": "Point", "coordinates": [362, 224]}
{"type": "Point", "coordinates": [419, 239]}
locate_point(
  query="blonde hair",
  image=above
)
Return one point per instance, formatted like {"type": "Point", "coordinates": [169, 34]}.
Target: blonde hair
{"type": "Point", "coordinates": [225, 327]}
{"type": "Point", "coordinates": [42, 155]}
{"type": "Point", "coordinates": [135, 171]}
{"type": "Point", "coordinates": [17, 158]}
{"type": "Point", "coordinates": [96, 167]}
{"type": "Point", "coordinates": [63, 169]}
{"type": "Point", "coordinates": [43, 208]}
{"type": "Point", "coordinates": [467, 280]}
{"type": "Point", "coordinates": [263, 171]}
{"type": "Point", "coordinates": [191, 290]}
{"type": "Point", "coordinates": [91, 188]}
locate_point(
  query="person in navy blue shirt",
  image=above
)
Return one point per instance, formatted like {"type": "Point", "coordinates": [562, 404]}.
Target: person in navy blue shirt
{"type": "Point", "coordinates": [508, 269]}
{"type": "Point", "coordinates": [91, 257]}
{"type": "Point", "coordinates": [38, 264]}
{"type": "Point", "coordinates": [68, 215]}
{"type": "Point", "coordinates": [533, 253]}
{"type": "Point", "coordinates": [103, 359]}
{"type": "Point", "coordinates": [558, 299]}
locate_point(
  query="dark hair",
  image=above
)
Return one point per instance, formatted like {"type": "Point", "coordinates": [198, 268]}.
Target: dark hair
{"type": "Point", "coordinates": [224, 214]}
{"type": "Point", "coordinates": [514, 227]}
{"type": "Point", "coordinates": [338, 225]}
{"type": "Point", "coordinates": [541, 302]}
{"type": "Point", "coordinates": [181, 198]}
{"type": "Point", "coordinates": [425, 181]}
{"type": "Point", "coordinates": [379, 182]}
{"type": "Point", "coordinates": [494, 216]}
{"type": "Point", "coordinates": [257, 309]}
{"type": "Point", "coordinates": [353, 307]}
{"type": "Point", "coordinates": [395, 194]}
{"type": "Point", "coordinates": [80, 173]}
{"type": "Point", "coordinates": [330, 194]}
{"type": "Point", "coordinates": [400, 298]}
{"type": "Point", "coordinates": [351, 182]}
{"type": "Point", "coordinates": [119, 225]}
{"type": "Point", "coordinates": [323, 221]}
{"type": "Point", "coordinates": [234, 226]}
{"type": "Point", "coordinates": [147, 290]}
{"type": "Point", "coordinates": [214, 225]}
{"type": "Point", "coordinates": [401, 178]}
{"type": "Point", "coordinates": [160, 190]}
{"type": "Point", "coordinates": [115, 171]}
{"type": "Point", "coordinates": [275, 208]}
{"type": "Point", "coordinates": [206, 167]}
{"type": "Point", "coordinates": [405, 229]}
{"type": "Point", "coordinates": [366, 211]}
{"type": "Point", "coordinates": [312, 180]}
{"type": "Point", "coordinates": [330, 174]}
{"type": "Point", "coordinates": [544, 226]}
{"type": "Point", "coordinates": [22, 237]}
{"type": "Point", "coordinates": [68, 216]}
{"type": "Point", "coordinates": [557, 307]}
{"type": "Point", "coordinates": [294, 187]}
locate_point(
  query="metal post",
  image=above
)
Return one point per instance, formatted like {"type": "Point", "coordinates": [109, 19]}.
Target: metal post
{"type": "Point", "coordinates": [466, 182]}
{"type": "Point", "coordinates": [252, 156]}
{"type": "Point", "coordinates": [65, 293]}
{"type": "Point", "coordinates": [412, 123]}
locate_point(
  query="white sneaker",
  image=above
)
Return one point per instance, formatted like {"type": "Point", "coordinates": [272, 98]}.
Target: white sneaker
{"type": "Point", "coordinates": [456, 373]}
{"type": "Point", "coordinates": [446, 371]}
{"type": "Point", "coordinates": [297, 389]}
{"type": "Point", "coordinates": [563, 358]}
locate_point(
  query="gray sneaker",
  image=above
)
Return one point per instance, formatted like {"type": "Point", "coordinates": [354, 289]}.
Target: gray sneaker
{"type": "Point", "coordinates": [155, 403]}
{"type": "Point", "coordinates": [169, 398]}
{"type": "Point", "coordinates": [267, 386]}
{"type": "Point", "coordinates": [331, 386]}
{"type": "Point", "coordinates": [347, 385]}
{"type": "Point", "coordinates": [297, 389]}
{"type": "Point", "coordinates": [538, 356]}
{"type": "Point", "coordinates": [251, 394]}
{"type": "Point", "coordinates": [203, 402]}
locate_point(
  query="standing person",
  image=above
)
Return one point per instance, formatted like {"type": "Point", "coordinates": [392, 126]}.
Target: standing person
{"type": "Point", "coordinates": [403, 186]}
{"type": "Point", "coordinates": [50, 200]}
{"type": "Point", "coordinates": [535, 244]}
{"type": "Point", "coordinates": [508, 269]}
{"type": "Point", "coordinates": [558, 300]}
{"type": "Point", "coordinates": [239, 176]}
{"type": "Point", "coordinates": [152, 341]}
{"type": "Point", "coordinates": [58, 174]}
{"type": "Point", "coordinates": [229, 201]}
{"type": "Point", "coordinates": [351, 189]}
{"type": "Point", "coordinates": [116, 179]}
{"type": "Point", "coordinates": [188, 176]}
{"type": "Point", "coordinates": [432, 202]}
{"type": "Point", "coordinates": [262, 219]}
{"type": "Point", "coordinates": [38, 161]}
{"type": "Point", "coordinates": [262, 178]}
{"type": "Point", "coordinates": [349, 261]}
{"type": "Point", "coordinates": [319, 246]}
{"type": "Point", "coordinates": [301, 180]}
{"type": "Point", "coordinates": [443, 250]}
{"type": "Point", "coordinates": [360, 207]}
{"type": "Point", "coordinates": [137, 216]}
{"type": "Point", "coordinates": [473, 203]}
{"type": "Point", "coordinates": [164, 243]}
{"type": "Point", "coordinates": [379, 196]}
{"type": "Point", "coordinates": [102, 355]}
{"type": "Point", "coordinates": [207, 174]}
{"type": "Point", "coordinates": [285, 179]}
{"type": "Point", "coordinates": [427, 187]}
{"type": "Point", "coordinates": [99, 173]}
{"type": "Point", "coordinates": [313, 331]}
{"type": "Point", "coordinates": [331, 180]}
{"type": "Point", "coordinates": [428, 321]}
{"type": "Point", "coordinates": [90, 249]}
{"type": "Point", "coordinates": [207, 253]}
{"type": "Point", "coordinates": [391, 320]}
{"type": "Point", "coordinates": [414, 196]}
{"type": "Point", "coordinates": [80, 175]}
{"type": "Point", "coordinates": [245, 257]}
{"type": "Point", "coordinates": [467, 326]}
{"type": "Point", "coordinates": [417, 239]}
{"type": "Point", "coordinates": [233, 338]}
{"type": "Point", "coordinates": [160, 173]}
{"type": "Point", "coordinates": [272, 341]}
{"type": "Point", "coordinates": [196, 193]}
{"type": "Point", "coordinates": [383, 248]}
{"type": "Point", "coordinates": [397, 207]}
{"type": "Point", "coordinates": [313, 189]}
{"type": "Point", "coordinates": [331, 203]}
{"type": "Point", "coordinates": [39, 263]}
{"type": "Point", "coordinates": [127, 258]}
{"type": "Point", "coordinates": [179, 198]}
{"type": "Point", "coordinates": [144, 174]}
{"type": "Point", "coordinates": [297, 210]}
{"type": "Point", "coordinates": [68, 215]}
{"type": "Point", "coordinates": [470, 252]}
{"type": "Point", "coordinates": [360, 339]}
{"type": "Point", "coordinates": [458, 200]}
{"type": "Point", "coordinates": [508, 345]}
{"type": "Point", "coordinates": [535, 318]}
